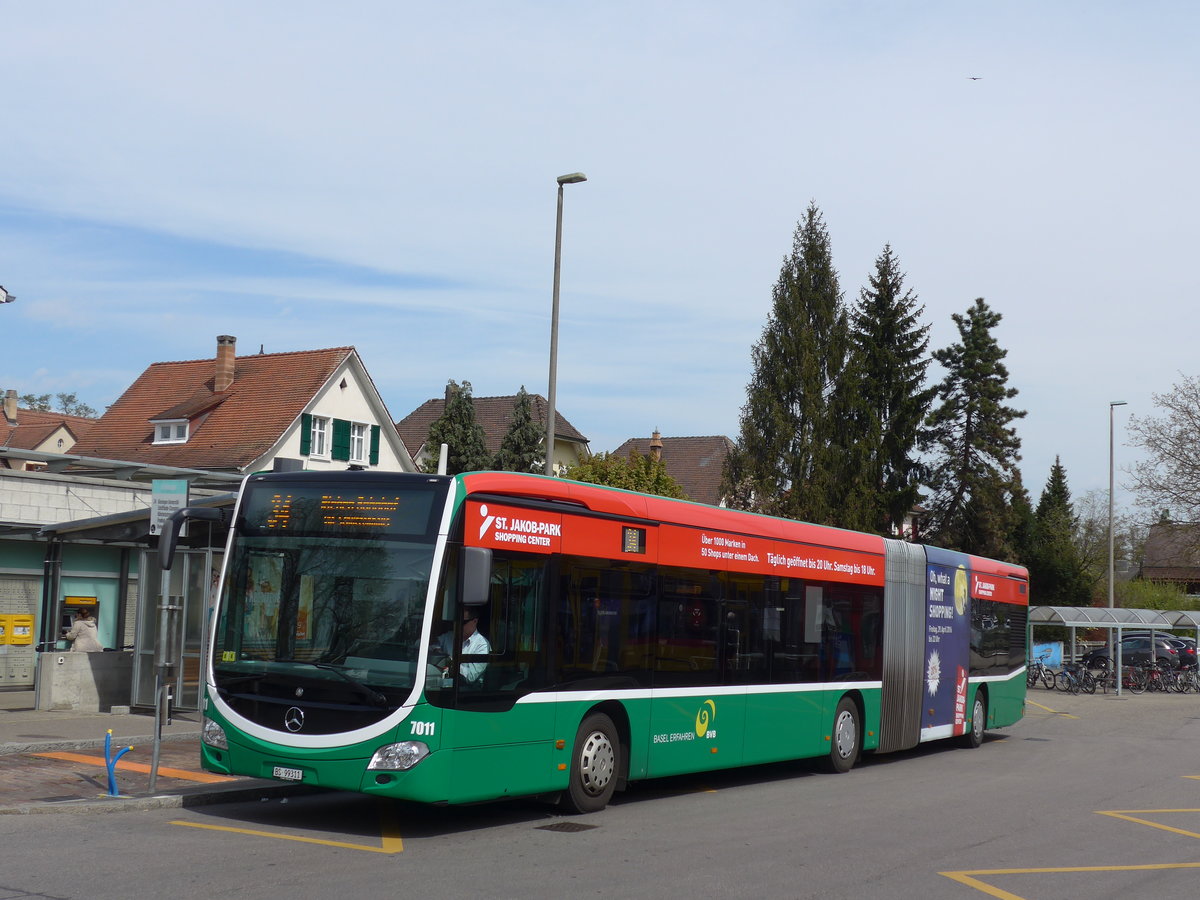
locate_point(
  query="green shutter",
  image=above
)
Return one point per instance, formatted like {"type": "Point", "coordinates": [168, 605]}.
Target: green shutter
{"type": "Point", "coordinates": [340, 449]}
{"type": "Point", "coordinates": [374, 445]}
{"type": "Point", "coordinates": [305, 433]}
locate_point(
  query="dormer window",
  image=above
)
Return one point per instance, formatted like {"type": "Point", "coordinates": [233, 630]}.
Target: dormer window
{"type": "Point", "coordinates": [175, 432]}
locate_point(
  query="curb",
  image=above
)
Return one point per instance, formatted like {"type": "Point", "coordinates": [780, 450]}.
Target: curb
{"type": "Point", "coordinates": [14, 749]}
{"type": "Point", "coordinates": [254, 790]}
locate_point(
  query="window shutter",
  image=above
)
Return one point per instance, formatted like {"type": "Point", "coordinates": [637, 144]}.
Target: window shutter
{"type": "Point", "coordinates": [305, 433]}
{"type": "Point", "coordinates": [340, 448]}
{"type": "Point", "coordinates": [374, 445]}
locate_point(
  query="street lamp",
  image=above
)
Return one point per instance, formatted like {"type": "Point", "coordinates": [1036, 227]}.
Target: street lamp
{"type": "Point", "coordinates": [1111, 407]}
{"type": "Point", "coordinates": [573, 178]}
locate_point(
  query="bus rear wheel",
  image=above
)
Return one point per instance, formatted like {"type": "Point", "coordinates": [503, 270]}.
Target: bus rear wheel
{"type": "Point", "coordinates": [843, 753]}
{"type": "Point", "coordinates": [974, 738]}
{"type": "Point", "coordinates": [594, 765]}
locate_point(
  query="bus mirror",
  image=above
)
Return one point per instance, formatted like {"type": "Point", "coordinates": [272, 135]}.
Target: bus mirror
{"type": "Point", "coordinates": [171, 528]}
{"type": "Point", "coordinates": [477, 575]}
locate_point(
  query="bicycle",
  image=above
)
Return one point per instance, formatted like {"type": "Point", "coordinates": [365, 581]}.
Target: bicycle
{"type": "Point", "coordinates": [1148, 677]}
{"type": "Point", "coordinates": [1075, 677]}
{"type": "Point", "coordinates": [1038, 671]}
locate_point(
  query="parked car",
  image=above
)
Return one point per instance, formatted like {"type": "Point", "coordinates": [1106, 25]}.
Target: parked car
{"type": "Point", "coordinates": [1185, 645]}
{"type": "Point", "coordinates": [1136, 650]}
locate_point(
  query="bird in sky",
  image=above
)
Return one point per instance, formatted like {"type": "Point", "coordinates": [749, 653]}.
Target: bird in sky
{"type": "Point", "coordinates": [975, 77]}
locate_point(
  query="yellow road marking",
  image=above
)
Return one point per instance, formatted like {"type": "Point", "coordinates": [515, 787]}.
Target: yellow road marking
{"type": "Point", "coordinates": [129, 766]}
{"type": "Point", "coordinates": [968, 878]}
{"type": "Point", "coordinates": [390, 841]}
{"type": "Point", "coordinates": [1053, 712]}
{"type": "Point", "coordinates": [1125, 814]}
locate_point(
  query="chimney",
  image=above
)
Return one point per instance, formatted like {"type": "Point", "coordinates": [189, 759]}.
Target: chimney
{"type": "Point", "coordinates": [10, 406]}
{"type": "Point", "coordinates": [656, 446]}
{"type": "Point", "coordinates": [225, 360]}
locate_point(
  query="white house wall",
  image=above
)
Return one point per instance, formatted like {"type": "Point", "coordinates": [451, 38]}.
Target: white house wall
{"type": "Point", "coordinates": [352, 404]}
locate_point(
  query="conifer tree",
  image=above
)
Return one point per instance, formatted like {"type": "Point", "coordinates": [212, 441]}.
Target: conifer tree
{"type": "Point", "coordinates": [889, 379]}
{"type": "Point", "coordinates": [974, 475]}
{"type": "Point", "coordinates": [786, 460]}
{"type": "Point", "coordinates": [1056, 568]}
{"type": "Point", "coordinates": [456, 427]}
{"type": "Point", "coordinates": [521, 449]}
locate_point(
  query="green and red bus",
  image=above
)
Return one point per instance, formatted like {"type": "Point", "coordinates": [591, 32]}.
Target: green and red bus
{"type": "Point", "coordinates": [627, 637]}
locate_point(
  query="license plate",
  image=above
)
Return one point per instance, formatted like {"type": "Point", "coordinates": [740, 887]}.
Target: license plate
{"type": "Point", "coordinates": [288, 774]}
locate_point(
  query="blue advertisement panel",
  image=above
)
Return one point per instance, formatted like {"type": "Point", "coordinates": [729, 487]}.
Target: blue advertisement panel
{"type": "Point", "coordinates": [947, 644]}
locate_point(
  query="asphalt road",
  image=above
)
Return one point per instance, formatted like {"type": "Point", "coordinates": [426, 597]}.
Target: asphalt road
{"type": "Point", "coordinates": [1091, 797]}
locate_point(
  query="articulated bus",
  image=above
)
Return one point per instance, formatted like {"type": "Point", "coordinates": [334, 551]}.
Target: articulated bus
{"type": "Point", "coordinates": [625, 637]}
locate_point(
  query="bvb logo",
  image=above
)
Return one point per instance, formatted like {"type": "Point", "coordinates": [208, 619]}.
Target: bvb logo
{"type": "Point", "coordinates": [960, 590]}
{"type": "Point", "coordinates": [705, 717]}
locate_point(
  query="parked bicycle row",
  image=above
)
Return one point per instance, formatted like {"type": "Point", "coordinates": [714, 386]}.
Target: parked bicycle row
{"type": "Point", "coordinates": [1098, 672]}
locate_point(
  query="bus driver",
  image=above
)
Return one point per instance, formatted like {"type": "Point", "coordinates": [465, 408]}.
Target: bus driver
{"type": "Point", "coordinates": [473, 643]}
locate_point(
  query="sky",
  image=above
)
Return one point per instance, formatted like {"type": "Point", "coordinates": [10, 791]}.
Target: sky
{"type": "Point", "coordinates": [383, 175]}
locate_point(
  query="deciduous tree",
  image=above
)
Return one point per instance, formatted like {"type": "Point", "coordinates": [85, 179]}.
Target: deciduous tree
{"type": "Point", "coordinates": [636, 472]}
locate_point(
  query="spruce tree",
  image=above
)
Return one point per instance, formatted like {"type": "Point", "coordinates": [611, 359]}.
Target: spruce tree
{"type": "Point", "coordinates": [891, 346]}
{"type": "Point", "coordinates": [521, 447]}
{"type": "Point", "coordinates": [1056, 568]}
{"type": "Point", "coordinates": [786, 459]}
{"type": "Point", "coordinates": [974, 474]}
{"type": "Point", "coordinates": [456, 427]}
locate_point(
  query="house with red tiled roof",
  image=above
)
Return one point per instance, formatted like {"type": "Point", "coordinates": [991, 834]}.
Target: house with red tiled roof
{"type": "Point", "coordinates": [695, 462]}
{"type": "Point", "coordinates": [309, 409]}
{"type": "Point", "coordinates": [38, 431]}
{"type": "Point", "coordinates": [1172, 555]}
{"type": "Point", "coordinates": [495, 414]}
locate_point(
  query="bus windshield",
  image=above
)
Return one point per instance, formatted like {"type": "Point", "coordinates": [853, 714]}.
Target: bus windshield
{"type": "Point", "coordinates": [313, 605]}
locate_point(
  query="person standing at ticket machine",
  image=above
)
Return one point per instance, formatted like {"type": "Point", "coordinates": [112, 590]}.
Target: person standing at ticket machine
{"type": "Point", "coordinates": [83, 633]}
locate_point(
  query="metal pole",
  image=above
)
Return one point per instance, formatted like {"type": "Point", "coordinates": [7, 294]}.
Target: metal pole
{"type": "Point", "coordinates": [1111, 407]}
{"type": "Point", "coordinates": [573, 178]}
{"type": "Point", "coordinates": [554, 339]}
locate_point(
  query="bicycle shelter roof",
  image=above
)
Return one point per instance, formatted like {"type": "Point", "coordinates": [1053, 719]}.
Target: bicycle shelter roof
{"type": "Point", "coordinates": [1118, 618]}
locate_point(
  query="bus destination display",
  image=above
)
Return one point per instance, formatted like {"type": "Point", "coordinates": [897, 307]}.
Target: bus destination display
{"type": "Point", "coordinates": [320, 511]}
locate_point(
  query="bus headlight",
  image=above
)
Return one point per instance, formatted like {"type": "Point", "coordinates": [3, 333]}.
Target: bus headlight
{"type": "Point", "coordinates": [402, 756]}
{"type": "Point", "coordinates": [214, 735]}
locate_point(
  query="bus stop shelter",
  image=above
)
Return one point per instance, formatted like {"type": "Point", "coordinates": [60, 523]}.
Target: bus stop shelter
{"type": "Point", "coordinates": [1112, 619]}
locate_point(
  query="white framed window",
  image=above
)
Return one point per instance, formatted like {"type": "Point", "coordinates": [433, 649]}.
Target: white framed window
{"type": "Point", "coordinates": [318, 444]}
{"type": "Point", "coordinates": [171, 432]}
{"type": "Point", "coordinates": [359, 441]}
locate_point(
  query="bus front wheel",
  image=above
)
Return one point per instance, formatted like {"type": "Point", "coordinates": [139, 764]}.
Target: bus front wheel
{"type": "Point", "coordinates": [844, 752]}
{"type": "Point", "coordinates": [594, 765]}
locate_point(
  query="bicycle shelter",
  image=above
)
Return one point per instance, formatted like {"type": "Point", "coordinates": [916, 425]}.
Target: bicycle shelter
{"type": "Point", "coordinates": [1112, 619]}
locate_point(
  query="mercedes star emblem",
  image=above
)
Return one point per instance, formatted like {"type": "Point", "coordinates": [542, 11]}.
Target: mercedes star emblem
{"type": "Point", "coordinates": [293, 719]}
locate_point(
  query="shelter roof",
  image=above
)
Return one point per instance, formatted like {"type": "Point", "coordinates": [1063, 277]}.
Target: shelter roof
{"type": "Point", "coordinates": [1114, 617]}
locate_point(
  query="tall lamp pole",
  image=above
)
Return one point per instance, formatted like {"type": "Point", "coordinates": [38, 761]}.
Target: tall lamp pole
{"type": "Point", "coordinates": [1111, 408]}
{"type": "Point", "coordinates": [573, 178]}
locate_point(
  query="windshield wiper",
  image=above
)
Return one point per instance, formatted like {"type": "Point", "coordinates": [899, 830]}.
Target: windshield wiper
{"type": "Point", "coordinates": [361, 689]}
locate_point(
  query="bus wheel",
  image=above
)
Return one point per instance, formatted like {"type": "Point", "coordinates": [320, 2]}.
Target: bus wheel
{"type": "Point", "coordinates": [844, 752]}
{"type": "Point", "coordinates": [974, 737]}
{"type": "Point", "coordinates": [593, 766]}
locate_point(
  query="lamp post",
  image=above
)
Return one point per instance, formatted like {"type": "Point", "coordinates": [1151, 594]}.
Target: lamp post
{"type": "Point", "coordinates": [573, 178]}
{"type": "Point", "coordinates": [1111, 408]}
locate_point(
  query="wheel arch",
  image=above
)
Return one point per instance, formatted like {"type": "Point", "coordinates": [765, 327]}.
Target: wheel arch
{"type": "Point", "coordinates": [620, 718]}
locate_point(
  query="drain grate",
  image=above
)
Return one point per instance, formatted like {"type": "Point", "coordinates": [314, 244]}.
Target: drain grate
{"type": "Point", "coordinates": [567, 827]}
{"type": "Point", "coordinates": [1036, 739]}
